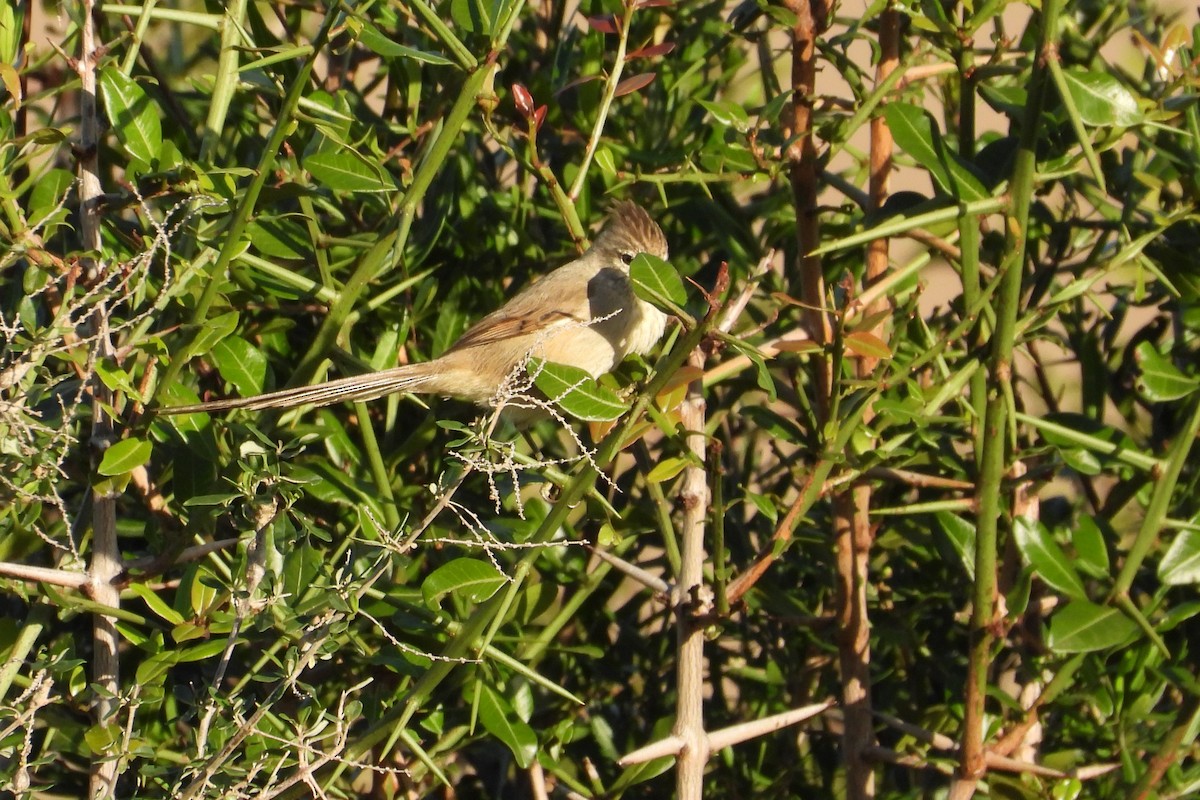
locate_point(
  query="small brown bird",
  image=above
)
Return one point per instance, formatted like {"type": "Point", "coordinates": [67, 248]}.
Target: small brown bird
{"type": "Point", "coordinates": [583, 314]}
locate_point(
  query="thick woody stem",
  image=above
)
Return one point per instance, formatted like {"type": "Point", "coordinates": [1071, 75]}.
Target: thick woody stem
{"type": "Point", "coordinates": [853, 523]}
{"type": "Point", "coordinates": [691, 601]}
{"type": "Point", "coordinates": [804, 180]}
{"type": "Point", "coordinates": [106, 558]}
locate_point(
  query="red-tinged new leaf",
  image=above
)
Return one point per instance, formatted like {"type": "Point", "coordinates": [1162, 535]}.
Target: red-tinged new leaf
{"type": "Point", "coordinates": [523, 99]}
{"type": "Point", "coordinates": [538, 116]}
{"type": "Point", "coordinates": [631, 85]}
{"type": "Point", "coordinates": [603, 24]}
{"type": "Point", "coordinates": [577, 82]}
{"type": "Point", "coordinates": [653, 51]}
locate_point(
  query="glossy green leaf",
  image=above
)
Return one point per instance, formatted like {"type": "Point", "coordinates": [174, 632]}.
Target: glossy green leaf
{"type": "Point", "coordinates": [731, 115]}
{"type": "Point", "coordinates": [917, 134]}
{"type": "Point", "coordinates": [474, 580]}
{"type": "Point", "coordinates": [666, 469]}
{"type": "Point", "coordinates": [240, 363]}
{"type": "Point", "coordinates": [654, 279]}
{"type": "Point", "coordinates": [134, 118]}
{"type": "Point", "coordinates": [575, 392]}
{"type": "Point", "coordinates": [1084, 627]}
{"type": "Point", "coordinates": [156, 603]}
{"type": "Point", "coordinates": [125, 455]}
{"type": "Point", "coordinates": [346, 171]}
{"type": "Point", "coordinates": [1160, 381]}
{"type": "Point", "coordinates": [960, 535]}
{"type": "Point", "coordinates": [1101, 99]}
{"type": "Point", "coordinates": [502, 722]}
{"type": "Point", "coordinates": [214, 331]}
{"type": "Point", "coordinates": [1039, 550]}
{"type": "Point", "coordinates": [1180, 565]}
{"type": "Point", "coordinates": [1091, 553]}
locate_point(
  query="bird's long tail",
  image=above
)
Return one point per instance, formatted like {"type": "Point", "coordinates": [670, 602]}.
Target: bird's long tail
{"type": "Point", "coordinates": [408, 378]}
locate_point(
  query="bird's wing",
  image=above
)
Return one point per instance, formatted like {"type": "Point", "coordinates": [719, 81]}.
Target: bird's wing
{"type": "Point", "coordinates": [552, 302]}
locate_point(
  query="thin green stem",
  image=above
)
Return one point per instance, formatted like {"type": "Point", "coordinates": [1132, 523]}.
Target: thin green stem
{"type": "Point", "coordinates": [993, 460]}
{"type": "Point", "coordinates": [1160, 502]}
{"type": "Point", "coordinates": [226, 80]}
{"type": "Point", "coordinates": [610, 92]}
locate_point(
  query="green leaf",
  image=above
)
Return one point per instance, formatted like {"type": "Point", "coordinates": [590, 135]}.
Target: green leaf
{"type": "Point", "coordinates": [240, 363]}
{"type": "Point", "coordinates": [1090, 550]}
{"type": "Point", "coordinates": [214, 331]}
{"type": "Point", "coordinates": [125, 455]}
{"type": "Point", "coordinates": [731, 115]}
{"type": "Point", "coordinates": [960, 536]}
{"type": "Point", "coordinates": [134, 118]}
{"type": "Point", "coordinates": [1039, 550]}
{"type": "Point", "coordinates": [917, 134]}
{"type": "Point", "coordinates": [655, 279]}
{"type": "Point", "coordinates": [761, 373]}
{"type": "Point", "coordinates": [575, 392]}
{"type": "Point", "coordinates": [346, 171]}
{"type": "Point", "coordinates": [278, 237]}
{"type": "Point", "coordinates": [666, 469]}
{"type": "Point", "coordinates": [379, 43]}
{"type": "Point", "coordinates": [502, 722]}
{"type": "Point", "coordinates": [1084, 627]}
{"type": "Point", "coordinates": [47, 196]}
{"type": "Point", "coordinates": [1101, 99]}
{"type": "Point", "coordinates": [156, 603]}
{"type": "Point", "coordinates": [474, 580]}
{"type": "Point", "coordinates": [1180, 565]}
{"type": "Point", "coordinates": [473, 16]}
{"type": "Point", "coordinates": [1160, 380]}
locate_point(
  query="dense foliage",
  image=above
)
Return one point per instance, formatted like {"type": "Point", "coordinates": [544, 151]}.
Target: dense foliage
{"type": "Point", "coordinates": [387, 599]}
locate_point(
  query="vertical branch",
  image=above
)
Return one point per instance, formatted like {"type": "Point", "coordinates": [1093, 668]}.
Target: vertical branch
{"type": "Point", "coordinates": [995, 442]}
{"type": "Point", "coordinates": [810, 21]}
{"type": "Point", "coordinates": [690, 602]}
{"type": "Point", "coordinates": [106, 559]}
{"type": "Point", "coordinates": [969, 238]}
{"type": "Point", "coordinates": [853, 530]}
{"type": "Point", "coordinates": [226, 81]}
{"type": "Point", "coordinates": [610, 93]}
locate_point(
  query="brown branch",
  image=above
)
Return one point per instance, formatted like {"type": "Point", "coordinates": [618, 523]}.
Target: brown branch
{"type": "Point", "coordinates": [854, 533]}
{"type": "Point", "coordinates": [692, 603]}
{"type": "Point", "coordinates": [106, 557]}
{"type": "Point", "coordinates": [811, 18]}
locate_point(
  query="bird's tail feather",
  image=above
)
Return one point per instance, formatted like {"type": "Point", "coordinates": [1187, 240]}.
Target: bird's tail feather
{"type": "Point", "coordinates": [408, 378]}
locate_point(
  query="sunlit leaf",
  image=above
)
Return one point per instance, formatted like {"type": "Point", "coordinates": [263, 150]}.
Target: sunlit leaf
{"type": "Point", "coordinates": [348, 172]}
{"type": "Point", "coordinates": [1160, 381]}
{"type": "Point", "coordinates": [654, 278]}
{"type": "Point", "coordinates": [471, 578]}
{"type": "Point", "coordinates": [1039, 550]}
{"type": "Point", "coordinates": [134, 117]}
{"type": "Point", "coordinates": [917, 134]}
{"type": "Point", "coordinates": [575, 392]}
{"type": "Point", "coordinates": [240, 363]}
{"type": "Point", "coordinates": [1180, 565]}
{"type": "Point", "coordinates": [125, 455]}
{"type": "Point", "coordinates": [1084, 627]}
{"type": "Point", "coordinates": [1101, 99]}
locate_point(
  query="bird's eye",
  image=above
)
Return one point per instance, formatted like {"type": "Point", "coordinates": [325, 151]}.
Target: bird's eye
{"type": "Point", "coordinates": [627, 257]}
